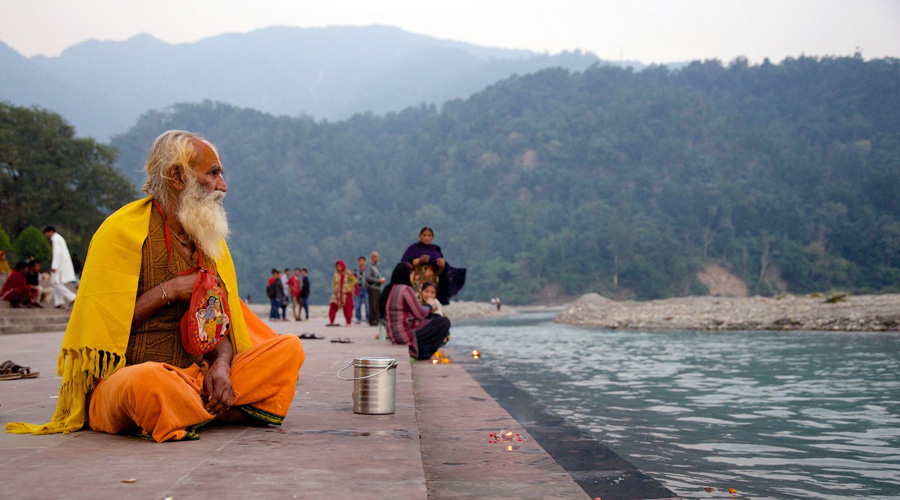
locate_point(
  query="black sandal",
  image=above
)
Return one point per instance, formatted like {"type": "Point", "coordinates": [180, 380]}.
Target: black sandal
{"type": "Point", "coordinates": [12, 371]}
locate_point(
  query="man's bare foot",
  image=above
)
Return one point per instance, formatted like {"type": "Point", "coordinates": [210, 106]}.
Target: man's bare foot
{"type": "Point", "coordinates": [232, 416]}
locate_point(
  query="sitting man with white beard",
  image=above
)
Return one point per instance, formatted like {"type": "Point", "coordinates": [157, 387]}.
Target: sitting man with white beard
{"type": "Point", "coordinates": [123, 366]}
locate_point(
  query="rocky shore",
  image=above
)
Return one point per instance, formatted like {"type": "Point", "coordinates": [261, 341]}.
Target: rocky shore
{"type": "Point", "coordinates": [853, 313]}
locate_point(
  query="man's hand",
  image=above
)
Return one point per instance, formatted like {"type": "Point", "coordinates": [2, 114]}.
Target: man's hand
{"type": "Point", "coordinates": [424, 259]}
{"type": "Point", "coordinates": [181, 288]}
{"type": "Point", "coordinates": [176, 290]}
{"type": "Point", "coordinates": [440, 262]}
{"type": "Point", "coordinates": [217, 387]}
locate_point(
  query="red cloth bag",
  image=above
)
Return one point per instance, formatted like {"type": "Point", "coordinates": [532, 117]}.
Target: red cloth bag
{"type": "Point", "coordinates": [207, 320]}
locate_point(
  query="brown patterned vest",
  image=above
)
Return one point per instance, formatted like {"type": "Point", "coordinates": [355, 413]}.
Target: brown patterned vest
{"type": "Point", "coordinates": [159, 338]}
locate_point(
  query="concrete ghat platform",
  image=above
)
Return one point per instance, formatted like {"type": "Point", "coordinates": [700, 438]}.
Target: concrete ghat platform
{"type": "Point", "coordinates": [435, 445]}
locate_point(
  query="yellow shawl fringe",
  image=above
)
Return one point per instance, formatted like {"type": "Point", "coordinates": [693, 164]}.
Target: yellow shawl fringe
{"type": "Point", "coordinates": [97, 334]}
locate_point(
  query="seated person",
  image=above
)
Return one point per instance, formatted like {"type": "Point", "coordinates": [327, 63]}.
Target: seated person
{"type": "Point", "coordinates": [124, 368]}
{"type": "Point", "coordinates": [421, 274]}
{"type": "Point", "coordinates": [35, 278]}
{"type": "Point", "coordinates": [407, 322]}
{"type": "Point", "coordinates": [33, 273]}
{"type": "Point", "coordinates": [424, 254]}
{"type": "Point", "coordinates": [428, 299]}
{"type": "Point", "coordinates": [16, 290]}
{"type": "Point", "coordinates": [4, 264]}
{"type": "Point", "coordinates": [45, 290]}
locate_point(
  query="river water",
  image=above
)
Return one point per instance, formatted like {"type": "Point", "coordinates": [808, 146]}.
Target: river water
{"type": "Point", "coordinates": [782, 415]}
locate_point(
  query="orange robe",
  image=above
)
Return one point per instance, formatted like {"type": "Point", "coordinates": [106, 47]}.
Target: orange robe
{"type": "Point", "coordinates": [163, 402]}
{"type": "Point", "coordinates": [159, 393]}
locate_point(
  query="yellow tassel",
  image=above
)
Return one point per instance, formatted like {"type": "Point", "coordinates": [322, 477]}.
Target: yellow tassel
{"type": "Point", "coordinates": [61, 362]}
{"type": "Point", "coordinates": [81, 370]}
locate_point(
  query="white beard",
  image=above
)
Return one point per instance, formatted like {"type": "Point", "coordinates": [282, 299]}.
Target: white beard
{"type": "Point", "coordinates": [203, 218]}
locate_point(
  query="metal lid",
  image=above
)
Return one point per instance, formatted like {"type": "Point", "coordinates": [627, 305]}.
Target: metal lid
{"type": "Point", "coordinates": [375, 362]}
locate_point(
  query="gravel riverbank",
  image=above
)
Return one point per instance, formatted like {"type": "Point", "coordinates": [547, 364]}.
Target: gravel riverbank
{"type": "Point", "coordinates": [854, 313]}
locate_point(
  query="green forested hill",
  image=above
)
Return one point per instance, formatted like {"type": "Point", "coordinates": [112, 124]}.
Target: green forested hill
{"type": "Point", "coordinates": [50, 177]}
{"type": "Point", "coordinates": [610, 180]}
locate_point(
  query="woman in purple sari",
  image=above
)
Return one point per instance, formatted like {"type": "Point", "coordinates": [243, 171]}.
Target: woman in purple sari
{"type": "Point", "coordinates": [428, 264]}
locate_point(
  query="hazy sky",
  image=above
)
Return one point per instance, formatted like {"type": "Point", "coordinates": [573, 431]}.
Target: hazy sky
{"type": "Point", "coordinates": [645, 30]}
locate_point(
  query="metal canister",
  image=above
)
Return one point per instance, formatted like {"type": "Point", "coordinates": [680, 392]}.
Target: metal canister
{"type": "Point", "coordinates": [374, 385]}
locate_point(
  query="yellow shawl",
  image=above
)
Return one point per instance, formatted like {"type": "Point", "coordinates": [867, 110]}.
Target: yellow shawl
{"type": "Point", "coordinates": [97, 334]}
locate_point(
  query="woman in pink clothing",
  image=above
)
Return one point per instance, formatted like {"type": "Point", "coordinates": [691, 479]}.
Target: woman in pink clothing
{"type": "Point", "coordinates": [407, 322]}
{"type": "Point", "coordinates": [342, 285]}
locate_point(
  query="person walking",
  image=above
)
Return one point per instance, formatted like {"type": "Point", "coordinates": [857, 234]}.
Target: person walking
{"type": "Point", "coordinates": [373, 281]}
{"type": "Point", "coordinates": [304, 292]}
{"type": "Point", "coordinates": [286, 300]}
{"type": "Point", "coordinates": [61, 269]}
{"type": "Point", "coordinates": [361, 299]}
{"type": "Point", "coordinates": [342, 285]}
{"type": "Point", "coordinates": [295, 284]}
{"type": "Point", "coordinates": [275, 293]}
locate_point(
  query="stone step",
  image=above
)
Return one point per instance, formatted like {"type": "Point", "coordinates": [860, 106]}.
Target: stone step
{"type": "Point", "coordinates": [27, 311]}
{"type": "Point", "coordinates": [48, 319]}
{"type": "Point", "coordinates": [32, 328]}
{"type": "Point", "coordinates": [44, 326]}
{"type": "Point", "coordinates": [34, 316]}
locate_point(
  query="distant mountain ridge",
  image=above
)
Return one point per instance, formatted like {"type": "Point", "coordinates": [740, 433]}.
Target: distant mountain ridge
{"type": "Point", "coordinates": [102, 87]}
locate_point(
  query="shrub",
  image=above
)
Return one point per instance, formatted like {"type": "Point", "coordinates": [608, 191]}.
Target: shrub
{"type": "Point", "coordinates": [4, 240]}
{"type": "Point", "coordinates": [31, 242]}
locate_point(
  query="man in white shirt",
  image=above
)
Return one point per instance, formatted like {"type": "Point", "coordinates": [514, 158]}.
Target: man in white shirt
{"type": "Point", "coordinates": [61, 269]}
{"type": "Point", "coordinates": [287, 293]}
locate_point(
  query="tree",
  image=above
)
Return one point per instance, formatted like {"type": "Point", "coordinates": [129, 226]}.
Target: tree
{"type": "Point", "coordinates": [31, 242]}
{"type": "Point", "coordinates": [50, 177]}
{"type": "Point", "coordinates": [4, 240]}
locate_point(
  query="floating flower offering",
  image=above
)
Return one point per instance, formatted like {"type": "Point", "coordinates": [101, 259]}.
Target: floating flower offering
{"type": "Point", "coordinates": [507, 436]}
{"type": "Point", "coordinates": [439, 358]}
{"type": "Point", "coordinates": [710, 489]}
{"type": "Point", "coordinates": [475, 354]}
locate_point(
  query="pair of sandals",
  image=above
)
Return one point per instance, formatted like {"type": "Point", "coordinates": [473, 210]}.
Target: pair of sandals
{"type": "Point", "coordinates": [311, 336]}
{"type": "Point", "coordinates": [341, 340]}
{"type": "Point", "coordinates": [12, 371]}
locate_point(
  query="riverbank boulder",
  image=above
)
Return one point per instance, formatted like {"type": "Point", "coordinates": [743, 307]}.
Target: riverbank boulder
{"type": "Point", "coordinates": [853, 313]}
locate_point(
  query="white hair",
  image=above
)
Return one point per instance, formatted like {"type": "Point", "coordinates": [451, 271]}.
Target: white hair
{"type": "Point", "coordinates": [174, 148]}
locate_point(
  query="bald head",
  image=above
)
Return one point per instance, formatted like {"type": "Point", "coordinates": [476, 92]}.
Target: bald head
{"type": "Point", "coordinates": [375, 258]}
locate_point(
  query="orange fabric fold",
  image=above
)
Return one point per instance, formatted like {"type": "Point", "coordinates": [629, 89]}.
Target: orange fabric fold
{"type": "Point", "coordinates": [257, 329]}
